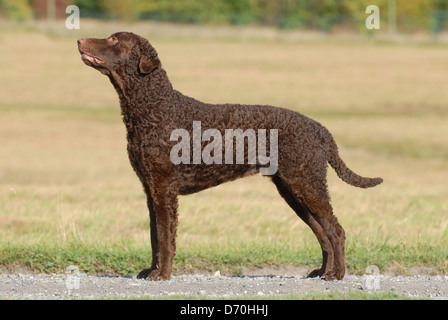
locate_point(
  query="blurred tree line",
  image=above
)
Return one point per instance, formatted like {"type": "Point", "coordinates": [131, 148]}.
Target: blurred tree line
{"type": "Point", "coordinates": [316, 14]}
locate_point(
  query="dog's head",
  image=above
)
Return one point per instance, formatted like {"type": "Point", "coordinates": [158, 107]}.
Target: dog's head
{"type": "Point", "coordinates": [122, 51]}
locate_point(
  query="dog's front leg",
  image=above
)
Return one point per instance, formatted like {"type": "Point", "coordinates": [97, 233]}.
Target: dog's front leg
{"type": "Point", "coordinates": [163, 233]}
{"type": "Point", "coordinates": [145, 273]}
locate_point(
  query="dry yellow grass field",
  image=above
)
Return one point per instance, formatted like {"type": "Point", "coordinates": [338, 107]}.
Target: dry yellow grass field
{"type": "Point", "coordinates": [65, 180]}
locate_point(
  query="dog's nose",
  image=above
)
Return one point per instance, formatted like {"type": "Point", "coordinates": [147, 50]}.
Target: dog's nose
{"type": "Point", "coordinates": [80, 42]}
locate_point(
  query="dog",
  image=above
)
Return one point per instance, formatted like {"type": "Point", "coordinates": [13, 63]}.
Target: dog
{"type": "Point", "coordinates": [157, 116]}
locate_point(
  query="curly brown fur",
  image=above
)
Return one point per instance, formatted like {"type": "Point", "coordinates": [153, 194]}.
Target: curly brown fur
{"type": "Point", "coordinates": [152, 109]}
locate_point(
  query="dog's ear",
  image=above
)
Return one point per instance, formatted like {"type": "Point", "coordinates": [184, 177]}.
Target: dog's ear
{"type": "Point", "coordinates": [148, 57]}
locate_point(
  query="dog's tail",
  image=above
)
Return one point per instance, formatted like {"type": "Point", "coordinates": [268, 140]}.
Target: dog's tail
{"type": "Point", "coordinates": [348, 175]}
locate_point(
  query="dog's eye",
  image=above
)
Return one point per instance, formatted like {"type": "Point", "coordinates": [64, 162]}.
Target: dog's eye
{"type": "Point", "coordinates": [113, 39]}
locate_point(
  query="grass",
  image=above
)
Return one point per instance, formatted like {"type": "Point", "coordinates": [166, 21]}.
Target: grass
{"type": "Point", "coordinates": [69, 196]}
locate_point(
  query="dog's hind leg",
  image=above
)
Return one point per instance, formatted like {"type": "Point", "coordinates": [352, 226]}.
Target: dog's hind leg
{"type": "Point", "coordinates": [336, 235]}
{"type": "Point", "coordinates": [296, 203]}
{"type": "Point", "coordinates": [317, 200]}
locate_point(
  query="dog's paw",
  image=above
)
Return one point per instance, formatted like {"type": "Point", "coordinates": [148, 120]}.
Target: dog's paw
{"type": "Point", "coordinates": [316, 273]}
{"type": "Point", "coordinates": [329, 276]}
{"type": "Point", "coordinates": [332, 275]}
{"type": "Point", "coordinates": [153, 275]}
{"type": "Point", "coordinates": [146, 273]}
{"type": "Point", "coordinates": [158, 275]}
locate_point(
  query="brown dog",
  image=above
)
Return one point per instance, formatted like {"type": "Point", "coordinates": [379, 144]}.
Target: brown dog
{"type": "Point", "coordinates": [152, 111]}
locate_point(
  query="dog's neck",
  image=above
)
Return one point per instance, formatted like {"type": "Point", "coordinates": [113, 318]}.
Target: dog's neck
{"type": "Point", "coordinates": [141, 95]}
{"type": "Point", "coordinates": [129, 85]}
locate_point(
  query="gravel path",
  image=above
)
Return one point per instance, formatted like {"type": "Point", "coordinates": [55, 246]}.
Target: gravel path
{"type": "Point", "coordinates": [66, 286]}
